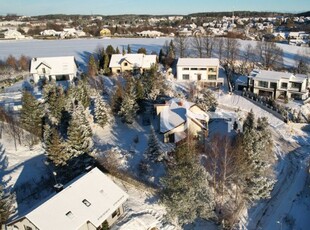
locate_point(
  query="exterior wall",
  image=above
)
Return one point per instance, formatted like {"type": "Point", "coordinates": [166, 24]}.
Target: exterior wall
{"type": "Point", "coordinates": [21, 224]}
{"type": "Point", "coordinates": [115, 70]}
{"type": "Point", "coordinates": [87, 226]}
{"type": "Point", "coordinates": [178, 129]}
{"type": "Point", "coordinates": [288, 91]}
{"type": "Point", "coordinates": [111, 220]}
{"type": "Point", "coordinates": [126, 66]}
{"type": "Point", "coordinates": [204, 72]}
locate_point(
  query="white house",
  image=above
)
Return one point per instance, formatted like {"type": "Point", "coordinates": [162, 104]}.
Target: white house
{"type": "Point", "coordinates": [54, 68]}
{"type": "Point", "coordinates": [178, 117]}
{"type": "Point", "coordinates": [84, 204]}
{"type": "Point", "coordinates": [131, 62]}
{"type": "Point", "coordinates": [279, 84]}
{"type": "Point", "coordinates": [13, 34]}
{"type": "Point", "coordinates": [150, 33]}
{"type": "Point", "coordinates": [204, 71]}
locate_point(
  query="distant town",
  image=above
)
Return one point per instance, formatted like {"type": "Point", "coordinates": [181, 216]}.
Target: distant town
{"type": "Point", "coordinates": [290, 29]}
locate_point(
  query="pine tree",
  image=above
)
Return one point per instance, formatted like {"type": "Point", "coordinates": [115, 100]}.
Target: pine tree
{"type": "Point", "coordinates": [79, 133]}
{"type": "Point", "coordinates": [92, 66]}
{"type": "Point", "coordinates": [153, 151]}
{"type": "Point", "coordinates": [55, 147]}
{"type": "Point", "coordinates": [31, 115]}
{"type": "Point", "coordinates": [101, 115]}
{"type": "Point", "coordinates": [207, 101]}
{"type": "Point", "coordinates": [6, 205]}
{"type": "Point", "coordinates": [129, 105]}
{"type": "Point", "coordinates": [186, 192]}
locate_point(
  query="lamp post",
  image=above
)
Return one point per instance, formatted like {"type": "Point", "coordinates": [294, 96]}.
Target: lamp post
{"type": "Point", "coordinates": [280, 223]}
{"type": "Point", "coordinates": [53, 172]}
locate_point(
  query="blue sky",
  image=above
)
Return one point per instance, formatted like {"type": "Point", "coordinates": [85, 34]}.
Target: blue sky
{"type": "Point", "coordinates": [111, 7]}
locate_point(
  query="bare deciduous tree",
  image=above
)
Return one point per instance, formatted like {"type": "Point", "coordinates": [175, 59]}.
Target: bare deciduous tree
{"type": "Point", "coordinates": [219, 43]}
{"type": "Point", "coordinates": [208, 43]}
{"type": "Point", "coordinates": [197, 43]}
{"type": "Point", "coordinates": [181, 45]}
{"type": "Point", "coordinates": [270, 55]}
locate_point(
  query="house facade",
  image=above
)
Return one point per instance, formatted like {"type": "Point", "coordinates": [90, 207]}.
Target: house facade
{"type": "Point", "coordinates": [85, 204]}
{"type": "Point", "coordinates": [204, 71]}
{"type": "Point", "coordinates": [54, 68]}
{"type": "Point", "coordinates": [178, 118]}
{"type": "Point", "coordinates": [131, 62]}
{"type": "Point", "coordinates": [279, 84]}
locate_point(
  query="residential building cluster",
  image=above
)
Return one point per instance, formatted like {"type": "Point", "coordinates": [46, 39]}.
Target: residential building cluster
{"type": "Point", "coordinates": [288, 28]}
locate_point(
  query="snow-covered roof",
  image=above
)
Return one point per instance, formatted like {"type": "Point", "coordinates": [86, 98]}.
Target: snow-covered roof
{"type": "Point", "coordinates": [91, 198]}
{"type": "Point", "coordinates": [137, 60]}
{"type": "Point", "coordinates": [176, 112]}
{"type": "Point", "coordinates": [268, 75]}
{"type": "Point", "coordinates": [199, 62]}
{"type": "Point", "coordinates": [300, 77]}
{"type": "Point", "coordinates": [57, 65]}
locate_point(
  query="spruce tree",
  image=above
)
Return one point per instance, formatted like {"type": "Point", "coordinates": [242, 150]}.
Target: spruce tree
{"type": "Point", "coordinates": [106, 64]}
{"type": "Point", "coordinates": [129, 106]}
{"type": "Point", "coordinates": [92, 66]}
{"type": "Point", "coordinates": [117, 98]}
{"type": "Point", "coordinates": [81, 93]}
{"type": "Point", "coordinates": [54, 102]}
{"type": "Point", "coordinates": [6, 205]}
{"type": "Point", "coordinates": [55, 147]}
{"type": "Point", "coordinates": [31, 115]}
{"type": "Point", "coordinates": [186, 192]}
{"type": "Point", "coordinates": [153, 151]}
{"type": "Point", "coordinates": [249, 122]}
{"type": "Point", "coordinates": [101, 115]}
{"type": "Point", "coordinates": [110, 50]}
{"type": "Point", "coordinates": [207, 101]}
{"type": "Point", "coordinates": [257, 149]}
{"type": "Point", "coordinates": [79, 133]}
{"type": "Point", "coordinates": [128, 49]}
{"type": "Point", "coordinates": [117, 50]}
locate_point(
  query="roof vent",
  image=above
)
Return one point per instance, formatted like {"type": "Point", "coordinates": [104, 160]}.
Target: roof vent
{"type": "Point", "coordinates": [70, 215]}
{"type": "Point", "coordinates": [58, 187]}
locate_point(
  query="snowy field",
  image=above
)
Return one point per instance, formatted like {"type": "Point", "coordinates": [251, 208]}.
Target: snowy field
{"type": "Point", "coordinates": [81, 48]}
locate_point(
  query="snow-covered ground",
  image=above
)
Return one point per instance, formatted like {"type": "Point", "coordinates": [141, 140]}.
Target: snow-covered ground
{"type": "Point", "coordinates": [290, 198]}
{"type": "Point", "coordinates": [81, 48]}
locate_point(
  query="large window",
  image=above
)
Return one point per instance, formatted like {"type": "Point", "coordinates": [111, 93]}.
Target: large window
{"type": "Point", "coordinates": [295, 85]}
{"type": "Point", "coordinates": [263, 84]}
{"type": "Point", "coordinates": [185, 68]}
{"type": "Point", "coordinates": [212, 69]}
{"type": "Point", "coordinates": [185, 76]}
{"type": "Point", "coordinates": [202, 69]}
{"type": "Point", "coordinates": [194, 68]}
{"type": "Point", "coordinates": [211, 77]}
{"type": "Point", "coordinates": [283, 85]}
{"type": "Point", "coordinates": [273, 85]}
{"type": "Point", "coordinates": [116, 213]}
